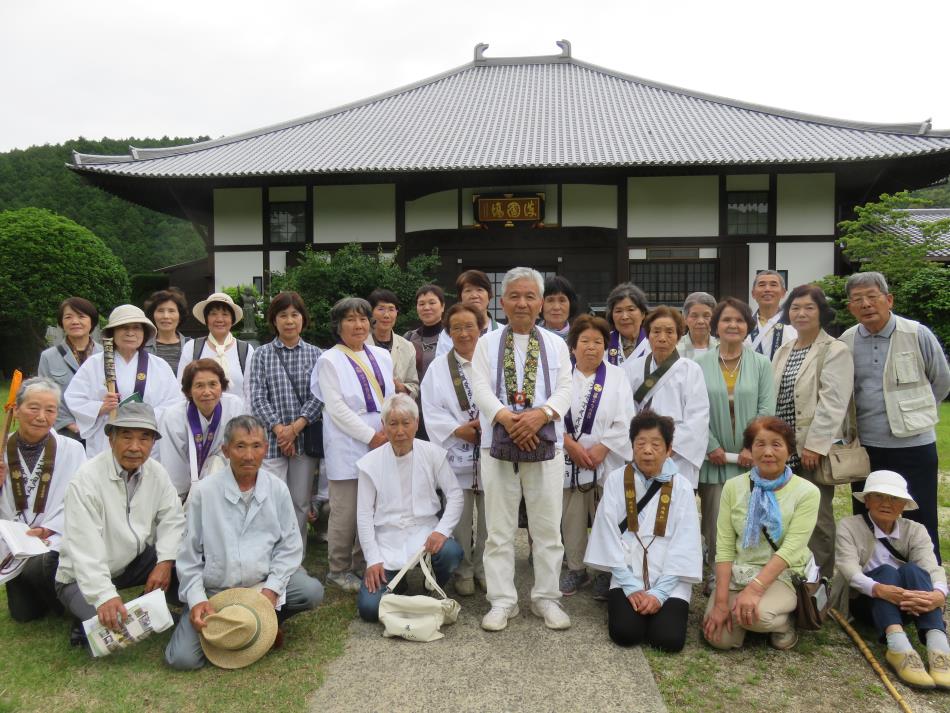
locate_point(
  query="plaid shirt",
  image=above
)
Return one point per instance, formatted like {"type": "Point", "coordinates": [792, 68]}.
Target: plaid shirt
{"type": "Point", "coordinates": [273, 398]}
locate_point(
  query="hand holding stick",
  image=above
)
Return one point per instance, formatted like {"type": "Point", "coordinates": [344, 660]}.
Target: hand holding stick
{"type": "Point", "coordinates": [108, 364]}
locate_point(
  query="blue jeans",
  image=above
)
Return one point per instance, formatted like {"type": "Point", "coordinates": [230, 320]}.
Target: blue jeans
{"type": "Point", "coordinates": [884, 614]}
{"type": "Point", "coordinates": [444, 562]}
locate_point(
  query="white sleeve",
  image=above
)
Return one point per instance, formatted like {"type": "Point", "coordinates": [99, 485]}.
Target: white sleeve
{"type": "Point", "coordinates": [329, 392]}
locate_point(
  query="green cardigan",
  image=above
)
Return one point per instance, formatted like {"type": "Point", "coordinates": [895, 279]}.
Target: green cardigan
{"type": "Point", "coordinates": [754, 396]}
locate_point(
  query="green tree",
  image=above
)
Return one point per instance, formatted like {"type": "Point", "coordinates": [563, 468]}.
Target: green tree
{"type": "Point", "coordinates": [321, 278]}
{"type": "Point", "coordinates": [45, 258]}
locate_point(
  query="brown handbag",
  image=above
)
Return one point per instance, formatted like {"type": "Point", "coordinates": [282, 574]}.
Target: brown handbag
{"type": "Point", "coordinates": [812, 599]}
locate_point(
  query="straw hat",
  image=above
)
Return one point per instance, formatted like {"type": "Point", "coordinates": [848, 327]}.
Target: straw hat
{"type": "Point", "coordinates": [135, 414]}
{"type": "Point", "coordinates": [887, 482]}
{"type": "Point", "coordinates": [199, 309]}
{"type": "Point", "coordinates": [129, 314]}
{"type": "Point", "coordinates": [241, 630]}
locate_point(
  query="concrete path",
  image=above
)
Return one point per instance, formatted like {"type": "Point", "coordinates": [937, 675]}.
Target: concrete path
{"type": "Point", "coordinates": [527, 667]}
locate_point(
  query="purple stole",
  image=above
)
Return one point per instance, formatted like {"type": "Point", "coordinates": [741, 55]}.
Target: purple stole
{"type": "Point", "coordinates": [364, 381]}
{"type": "Point", "coordinates": [203, 442]}
{"type": "Point", "coordinates": [593, 403]}
{"type": "Point", "coordinates": [615, 346]}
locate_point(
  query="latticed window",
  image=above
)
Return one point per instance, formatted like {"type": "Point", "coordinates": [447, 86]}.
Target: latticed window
{"type": "Point", "coordinates": [747, 212]}
{"type": "Point", "coordinates": [669, 282]}
{"type": "Point", "coordinates": [288, 222]}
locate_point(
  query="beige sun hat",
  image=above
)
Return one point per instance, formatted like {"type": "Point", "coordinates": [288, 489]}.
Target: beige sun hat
{"type": "Point", "coordinates": [887, 482]}
{"type": "Point", "coordinates": [223, 297]}
{"type": "Point", "coordinates": [129, 314]}
{"type": "Point", "coordinates": [241, 630]}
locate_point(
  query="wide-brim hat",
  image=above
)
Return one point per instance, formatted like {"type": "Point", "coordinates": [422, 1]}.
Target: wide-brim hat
{"type": "Point", "coordinates": [223, 297]}
{"type": "Point", "coordinates": [134, 414]}
{"type": "Point", "coordinates": [887, 482]}
{"type": "Point", "coordinates": [241, 630]}
{"type": "Point", "coordinates": [129, 314]}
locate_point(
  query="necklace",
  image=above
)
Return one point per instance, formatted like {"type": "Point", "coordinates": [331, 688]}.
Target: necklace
{"type": "Point", "coordinates": [725, 367]}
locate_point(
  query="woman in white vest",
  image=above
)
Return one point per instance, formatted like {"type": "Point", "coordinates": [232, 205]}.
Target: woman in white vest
{"type": "Point", "coordinates": [596, 442]}
{"type": "Point", "coordinates": [650, 546]}
{"type": "Point", "coordinates": [351, 380]}
{"type": "Point", "coordinates": [139, 375]}
{"type": "Point", "coordinates": [672, 385]}
{"type": "Point", "coordinates": [221, 315]}
{"type": "Point", "coordinates": [626, 308]}
{"type": "Point", "coordinates": [193, 430]}
{"type": "Point", "coordinates": [452, 423]}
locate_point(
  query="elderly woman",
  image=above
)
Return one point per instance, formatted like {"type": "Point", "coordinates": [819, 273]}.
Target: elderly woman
{"type": "Point", "coordinates": [697, 309]}
{"type": "Point", "coordinates": [193, 431]}
{"type": "Point", "coordinates": [280, 398]}
{"type": "Point", "coordinates": [596, 442]}
{"type": "Point", "coordinates": [167, 309]}
{"type": "Point", "coordinates": [813, 378]}
{"type": "Point", "coordinates": [626, 308]}
{"type": "Point", "coordinates": [77, 317]}
{"type": "Point", "coordinates": [219, 313]}
{"type": "Point", "coordinates": [138, 375]}
{"type": "Point", "coordinates": [398, 507]}
{"type": "Point", "coordinates": [887, 574]}
{"type": "Point", "coordinates": [739, 385]}
{"type": "Point", "coordinates": [430, 305]}
{"type": "Point", "coordinates": [38, 454]}
{"type": "Point", "coordinates": [765, 521]}
{"type": "Point", "coordinates": [560, 305]}
{"type": "Point", "coordinates": [385, 306]}
{"type": "Point", "coordinates": [473, 288]}
{"type": "Point", "coordinates": [673, 386]}
{"type": "Point", "coordinates": [452, 423]}
{"type": "Point", "coordinates": [656, 560]}
{"type": "Point", "coordinates": [351, 380]}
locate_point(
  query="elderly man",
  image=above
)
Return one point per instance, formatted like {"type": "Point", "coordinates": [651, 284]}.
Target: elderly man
{"type": "Point", "coordinates": [31, 493]}
{"type": "Point", "coordinates": [522, 383]}
{"type": "Point", "coordinates": [900, 375]}
{"type": "Point", "coordinates": [397, 505]}
{"type": "Point", "coordinates": [123, 524]}
{"type": "Point", "coordinates": [241, 532]}
{"type": "Point", "coordinates": [769, 332]}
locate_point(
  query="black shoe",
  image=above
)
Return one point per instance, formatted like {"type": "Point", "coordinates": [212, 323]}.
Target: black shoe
{"type": "Point", "coordinates": [77, 635]}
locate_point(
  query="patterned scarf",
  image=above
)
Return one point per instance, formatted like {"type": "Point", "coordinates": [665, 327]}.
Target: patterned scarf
{"type": "Point", "coordinates": [764, 509]}
{"type": "Point", "coordinates": [524, 398]}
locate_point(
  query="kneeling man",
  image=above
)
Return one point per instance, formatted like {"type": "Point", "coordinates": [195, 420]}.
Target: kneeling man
{"type": "Point", "coordinates": [241, 532]}
{"type": "Point", "coordinates": [123, 524]}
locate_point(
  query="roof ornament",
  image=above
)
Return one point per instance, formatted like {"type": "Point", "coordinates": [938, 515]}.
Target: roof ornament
{"type": "Point", "coordinates": [480, 51]}
{"type": "Point", "coordinates": [925, 128]}
{"type": "Point", "coordinates": [565, 48]}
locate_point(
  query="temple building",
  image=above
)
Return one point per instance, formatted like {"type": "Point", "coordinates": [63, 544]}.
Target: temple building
{"type": "Point", "coordinates": [543, 161]}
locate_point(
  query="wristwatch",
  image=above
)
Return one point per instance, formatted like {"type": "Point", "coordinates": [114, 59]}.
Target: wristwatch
{"type": "Point", "coordinates": [549, 412]}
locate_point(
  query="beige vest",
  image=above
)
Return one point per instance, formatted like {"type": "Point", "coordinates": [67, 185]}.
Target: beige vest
{"type": "Point", "coordinates": [908, 397]}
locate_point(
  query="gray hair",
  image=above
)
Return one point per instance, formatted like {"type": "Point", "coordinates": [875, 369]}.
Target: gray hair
{"type": "Point", "coordinates": [698, 298]}
{"type": "Point", "coordinates": [246, 423]}
{"type": "Point", "coordinates": [522, 273]}
{"type": "Point", "coordinates": [39, 384]}
{"type": "Point", "coordinates": [775, 273]}
{"type": "Point", "coordinates": [346, 305]}
{"type": "Point", "coordinates": [626, 291]}
{"type": "Point", "coordinates": [399, 403]}
{"type": "Point", "coordinates": [866, 279]}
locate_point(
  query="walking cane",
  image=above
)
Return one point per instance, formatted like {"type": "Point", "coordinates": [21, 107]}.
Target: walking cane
{"type": "Point", "coordinates": [863, 648]}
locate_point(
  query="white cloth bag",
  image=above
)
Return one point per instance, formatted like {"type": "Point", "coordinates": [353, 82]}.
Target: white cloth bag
{"type": "Point", "coordinates": [419, 617]}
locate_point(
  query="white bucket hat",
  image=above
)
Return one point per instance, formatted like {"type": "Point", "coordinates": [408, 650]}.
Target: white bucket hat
{"type": "Point", "coordinates": [223, 297]}
{"type": "Point", "coordinates": [887, 482]}
{"type": "Point", "coordinates": [129, 314]}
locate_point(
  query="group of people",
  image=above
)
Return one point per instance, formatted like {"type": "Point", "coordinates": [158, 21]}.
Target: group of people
{"type": "Point", "coordinates": [202, 462]}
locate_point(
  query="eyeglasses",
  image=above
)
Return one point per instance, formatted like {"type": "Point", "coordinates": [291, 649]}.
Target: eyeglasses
{"type": "Point", "coordinates": [463, 329]}
{"type": "Point", "coordinates": [866, 299]}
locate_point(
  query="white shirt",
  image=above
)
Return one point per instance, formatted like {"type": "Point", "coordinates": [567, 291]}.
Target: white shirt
{"type": "Point", "coordinates": [237, 378]}
{"type": "Point", "coordinates": [443, 415]}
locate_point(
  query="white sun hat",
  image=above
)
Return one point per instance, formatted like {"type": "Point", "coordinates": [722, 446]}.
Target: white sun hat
{"type": "Point", "coordinates": [887, 482]}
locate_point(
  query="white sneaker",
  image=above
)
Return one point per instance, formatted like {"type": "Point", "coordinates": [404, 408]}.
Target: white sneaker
{"type": "Point", "coordinates": [549, 610]}
{"type": "Point", "coordinates": [347, 581]}
{"type": "Point", "coordinates": [497, 617]}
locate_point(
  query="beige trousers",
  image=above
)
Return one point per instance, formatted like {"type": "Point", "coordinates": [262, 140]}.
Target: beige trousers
{"type": "Point", "coordinates": [471, 532]}
{"type": "Point", "coordinates": [343, 545]}
{"type": "Point", "coordinates": [709, 496]}
{"type": "Point", "coordinates": [576, 509]}
{"type": "Point", "coordinates": [776, 608]}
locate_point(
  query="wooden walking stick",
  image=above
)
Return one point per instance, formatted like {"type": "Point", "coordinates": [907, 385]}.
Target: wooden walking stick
{"type": "Point", "coordinates": [108, 365]}
{"type": "Point", "coordinates": [8, 411]}
{"type": "Point", "coordinates": [863, 648]}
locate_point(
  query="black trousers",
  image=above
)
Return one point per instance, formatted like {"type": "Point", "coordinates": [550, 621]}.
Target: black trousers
{"type": "Point", "coordinates": [665, 630]}
{"type": "Point", "coordinates": [32, 595]}
{"type": "Point", "coordinates": [918, 466]}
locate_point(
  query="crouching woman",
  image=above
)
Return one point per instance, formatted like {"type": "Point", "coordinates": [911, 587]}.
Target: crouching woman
{"type": "Point", "coordinates": [646, 534]}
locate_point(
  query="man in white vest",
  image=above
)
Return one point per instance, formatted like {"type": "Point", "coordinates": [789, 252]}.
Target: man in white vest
{"type": "Point", "coordinates": [769, 333]}
{"type": "Point", "coordinates": [900, 375]}
{"type": "Point", "coordinates": [522, 385]}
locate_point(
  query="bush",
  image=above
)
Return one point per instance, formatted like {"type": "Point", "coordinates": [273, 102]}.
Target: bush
{"type": "Point", "coordinates": [261, 329]}
{"type": "Point", "coordinates": [925, 297]}
{"type": "Point", "coordinates": [45, 258]}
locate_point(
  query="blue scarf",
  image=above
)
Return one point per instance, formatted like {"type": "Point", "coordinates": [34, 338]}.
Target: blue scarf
{"type": "Point", "coordinates": [764, 509]}
{"type": "Point", "coordinates": [664, 476]}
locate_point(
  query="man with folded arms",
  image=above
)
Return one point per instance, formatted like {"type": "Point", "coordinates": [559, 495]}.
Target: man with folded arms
{"type": "Point", "coordinates": [242, 532]}
{"type": "Point", "coordinates": [123, 524]}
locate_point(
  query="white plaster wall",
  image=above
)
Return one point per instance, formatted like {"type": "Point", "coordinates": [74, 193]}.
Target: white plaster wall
{"type": "Point", "coordinates": [748, 182]}
{"type": "Point", "coordinates": [637, 254]}
{"type": "Point", "coordinates": [237, 216]}
{"type": "Point", "coordinates": [758, 260]}
{"type": "Point", "coordinates": [549, 191]}
{"type": "Point", "coordinates": [287, 194]}
{"type": "Point", "coordinates": [278, 261]}
{"type": "Point", "coordinates": [232, 269]}
{"type": "Point", "coordinates": [806, 204]}
{"type": "Point", "coordinates": [361, 214]}
{"type": "Point", "coordinates": [672, 206]}
{"type": "Point", "coordinates": [805, 262]}
{"type": "Point", "coordinates": [433, 212]}
{"type": "Point", "coordinates": [587, 205]}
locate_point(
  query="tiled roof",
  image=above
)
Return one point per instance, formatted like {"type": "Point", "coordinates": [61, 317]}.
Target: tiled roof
{"type": "Point", "coordinates": [912, 231]}
{"type": "Point", "coordinates": [529, 112]}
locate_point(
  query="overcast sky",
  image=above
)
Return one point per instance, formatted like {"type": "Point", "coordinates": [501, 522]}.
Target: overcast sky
{"type": "Point", "coordinates": [122, 68]}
